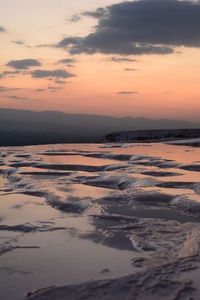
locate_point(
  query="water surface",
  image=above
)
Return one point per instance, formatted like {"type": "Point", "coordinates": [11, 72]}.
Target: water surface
{"type": "Point", "coordinates": [64, 210]}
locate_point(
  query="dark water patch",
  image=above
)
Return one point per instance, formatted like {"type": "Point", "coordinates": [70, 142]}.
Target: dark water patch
{"type": "Point", "coordinates": [46, 174]}
{"type": "Point", "coordinates": [159, 164]}
{"type": "Point", "coordinates": [22, 164]}
{"type": "Point", "coordinates": [177, 185]}
{"type": "Point", "coordinates": [26, 228]}
{"type": "Point", "coordinates": [118, 181]}
{"type": "Point", "coordinates": [195, 168]}
{"type": "Point", "coordinates": [151, 202]}
{"type": "Point", "coordinates": [139, 197]}
{"type": "Point", "coordinates": [120, 157]}
{"type": "Point", "coordinates": [70, 206]}
{"type": "Point", "coordinates": [161, 174]}
{"type": "Point", "coordinates": [102, 234]}
{"type": "Point", "coordinates": [117, 218]}
{"type": "Point", "coordinates": [161, 282]}
{"type": "Point", "coordinates": [186, 206]}
{"type": "Point", "coordinates": [116, 167]}
{"type": "Point", "coordinates": [23, 155]}
{"type": "Point", "coordinates": [117, 240]}
{"type": "Point", "coordinates": [153, 213]}
{"type": "Point", "coordinates": [70, 167]}
{"type": "Point", "coordinates": [39, 194]}
{"type": "Point", "coordinates": [60, 153]}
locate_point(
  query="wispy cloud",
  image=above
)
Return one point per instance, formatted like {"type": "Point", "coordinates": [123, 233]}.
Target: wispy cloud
{"type": "Point", "coordinates": [40, 90]}
{"type": "Point", "coordinates": [127, 93]}
{"type": "Point", "coordinates": [18, 42]}
{"type": "Point", "coordinates": [54, 89]}
{"type": "Point", "coordinates": [122, 59]}
{"type": "Point", "coordinates": [130, 69]}
{"type": "Point", "coordinates": [7, 89]}
{"type": "Point", "coordinates": [75, 18]}
{"type": "Point", "coordinates": [58, 81]}
{"type": "Point", "coordinates": [17, 98]}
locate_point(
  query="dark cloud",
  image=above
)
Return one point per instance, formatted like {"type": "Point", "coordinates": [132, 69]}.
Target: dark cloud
{"type": "Point", "coordinates": [2, 29]}
{"type": "Point", "coordinates": [127, 93]}
{"type": "Point", "coordinates": [140, 27]}
{"type": "Point", "coordinates": [21, 43]}
{"type": "Point", "coordinates": [24, 64]}
{"type": "Point", "coordinates": [52, 74]}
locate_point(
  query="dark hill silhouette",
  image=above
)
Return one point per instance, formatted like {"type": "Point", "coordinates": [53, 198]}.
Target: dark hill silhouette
{"type": "Point", "coordinates": [23, 127]}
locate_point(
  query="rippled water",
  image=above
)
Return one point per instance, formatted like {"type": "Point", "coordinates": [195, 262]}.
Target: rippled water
{"type": "Point", "coordinates": [74, 213]}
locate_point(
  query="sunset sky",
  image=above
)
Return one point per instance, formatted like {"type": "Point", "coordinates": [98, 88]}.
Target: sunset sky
{"type": "Point", "coordinates": [108, 57]}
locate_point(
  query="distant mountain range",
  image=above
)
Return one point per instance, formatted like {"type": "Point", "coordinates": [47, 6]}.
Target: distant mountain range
{"type": "Point", "coordinates": [22, 127]}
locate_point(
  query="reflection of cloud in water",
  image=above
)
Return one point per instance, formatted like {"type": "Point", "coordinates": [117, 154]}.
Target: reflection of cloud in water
{"type": "Point", "coordinates": [112, 199]}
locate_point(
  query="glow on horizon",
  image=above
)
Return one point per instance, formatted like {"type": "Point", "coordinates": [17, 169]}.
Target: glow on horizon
{"type": "Point", "coordinates": [157, 86]}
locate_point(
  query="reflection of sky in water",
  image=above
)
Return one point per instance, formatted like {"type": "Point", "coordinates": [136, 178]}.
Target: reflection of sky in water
{"type": "Point", "coordinates": [20, 209]}
{"type": "Point", "coordinates": [76, 160]}
{"type": "Point", "coordinates": [83, 247]}
{"type": "Point", "coordinates": [62, 259]}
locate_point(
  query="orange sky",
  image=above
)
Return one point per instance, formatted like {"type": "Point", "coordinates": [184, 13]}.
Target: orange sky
{"type": "Point", "coordinates": [159, 86]}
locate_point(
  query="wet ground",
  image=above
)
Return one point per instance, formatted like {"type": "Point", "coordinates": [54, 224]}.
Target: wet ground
{"type": "Point", "coordinates": [71, 214]}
